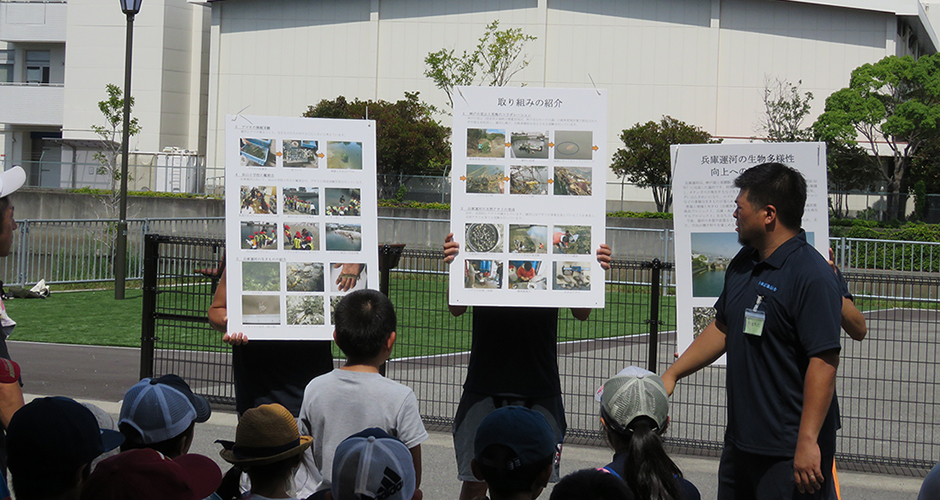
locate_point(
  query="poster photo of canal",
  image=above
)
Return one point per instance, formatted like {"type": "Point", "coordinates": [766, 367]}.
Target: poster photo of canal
{"type": "Point", "coordinates": [300, 205]}
{"type": "Point", "coordinates": [526, 214]}
{"type": "Point", "coordinates": [705, 238]}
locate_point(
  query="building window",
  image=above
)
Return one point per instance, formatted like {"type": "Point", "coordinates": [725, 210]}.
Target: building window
{"type": "Point", "coordinates": [6, 66]}
{"type": "Point", "coordinates": [37, 66]}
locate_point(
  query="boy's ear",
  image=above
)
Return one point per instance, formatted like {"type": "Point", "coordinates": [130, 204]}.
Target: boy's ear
{"type": "Point", "coordinates": [475, 468]}
{"type": "Point", "coordinates": [334, 336]}
{"type": "Point", "coordinates": [391, 341]}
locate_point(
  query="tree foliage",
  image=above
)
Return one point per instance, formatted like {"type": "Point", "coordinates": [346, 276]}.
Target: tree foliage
{"type": "Point", "coordinates": [408, 139]}
{"type": "Point", "coordinates": [498, 56]}
{"type": "Point", "coordinates": [785, 108]}
{"type": "Point", "coordinates": [644, 159]}
{"type": "Point", "coordinates": [111, 134]}
{"type": "Point", "coordinates": [894, 103]}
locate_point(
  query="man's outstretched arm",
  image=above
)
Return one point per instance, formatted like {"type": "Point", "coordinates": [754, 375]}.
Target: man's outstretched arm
{"type": "Point", "coordinates": [818, 388]}
{"type": "Point", "coordinates": [706, 348]}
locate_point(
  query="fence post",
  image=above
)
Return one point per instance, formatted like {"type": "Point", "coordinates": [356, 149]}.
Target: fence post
{"type": "Point", "coordinates": [389, 255]}
{"type": "Point", "coordinates": [22, 251]}
{"type": "Point", "coordinates": [149, 322]}
{"type": "Point", "coordinates": [655, 290]}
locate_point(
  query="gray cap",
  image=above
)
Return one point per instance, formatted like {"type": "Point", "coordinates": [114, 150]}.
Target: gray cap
{"type": "Point", "coordinates": [632, 393]}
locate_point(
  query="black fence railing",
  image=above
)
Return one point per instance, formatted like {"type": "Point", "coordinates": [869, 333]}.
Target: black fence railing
{"type": "Point", "coordinates": [887, 384]}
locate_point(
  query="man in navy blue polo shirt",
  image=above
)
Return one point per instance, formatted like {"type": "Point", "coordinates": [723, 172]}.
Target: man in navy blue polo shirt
{"type": "Point", "coordinates": [778, 320]}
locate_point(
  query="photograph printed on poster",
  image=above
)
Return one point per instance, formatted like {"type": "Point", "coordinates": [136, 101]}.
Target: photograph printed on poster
{"type": "Point", "coordinates": [483, 274]}
{"type": "Point", "coordinates": [701, 318]}
{"type": "Point", "coordinates": [301, 200]}
{"type": "Point", "coordinates": [528, 238]}
{"type": "Point", "coordinates": [572, 275]}
{"type": "Point", "coordinates": [711, 254]}
{"type": "Point", "coordinates": [574, 145]}
{"type": "Point", "coordinates": [348, 277]}
{"type": "Point", "coordinates": [305, 310]}
{"type": "Point", "coordinates": [299, 153]}
{"type": "Point", "coordinates": [482, 237]}
{"type": "Point", "coordinates": [573, 181]}
{"type": "Point", "coordinates": [343, 237]}
{"type": "Point", "coordinates": [527, 275]}
{"type": "Point", "coordinates": [261, 276]}
{"type": "Point", "coordinates": [486, 179]}
{"type": "Point", "coordinates": [257, 152]}
{"type": "Point", "coordinates": [334, 301]}
{"type": "Point", "coordinates": [257, 200]}
{"type": "Point", "coordinates": [486, 143]}
{"type": "Point", "coordinates": [571, 240]}
{"type": "Point", "coordinates": [344, 155]}
{"type": "Point", "coordinates": [342, 202]}
{"type": "Point", "coordinates": [529, 144]}
{"type": "Point", "coordinates": [528, 179]}
{"type": "Point", "coordinates": [304, 276]}
{"type": "Point", "coordinates": [301, 236]}
{"type": "Point", "coordinates": [258, 235]}
{"type": "Point", "coordinates": [261, 309]}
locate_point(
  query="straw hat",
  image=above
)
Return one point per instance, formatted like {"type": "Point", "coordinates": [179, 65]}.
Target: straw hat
{"type": "Point", "coordinates": [265, 435]}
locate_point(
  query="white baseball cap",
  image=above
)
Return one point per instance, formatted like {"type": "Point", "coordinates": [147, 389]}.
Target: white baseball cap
{"type": "Point", "coordinates": [11, 180]}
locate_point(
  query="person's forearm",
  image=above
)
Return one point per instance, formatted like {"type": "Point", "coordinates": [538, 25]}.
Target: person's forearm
{"type": "Point", "coordinates": [218, 311]}
{"type": "Point", "coordinates": [706, 348]}
{"type": "Point", "coordinates": [416, 458]}
{"type": "Point", "coordinates": [853, 322]}
{"type": "Point", "coordinates": [818, 388]}
{"type": "Point", "coordinates": [11, 399]}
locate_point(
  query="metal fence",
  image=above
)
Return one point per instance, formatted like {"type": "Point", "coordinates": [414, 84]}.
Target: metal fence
{"type": "Point", "coordinates": [887, 384]}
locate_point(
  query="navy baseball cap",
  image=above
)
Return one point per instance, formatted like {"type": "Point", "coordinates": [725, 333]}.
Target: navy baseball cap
{"type": "Point", "coordinates": [524, 431]}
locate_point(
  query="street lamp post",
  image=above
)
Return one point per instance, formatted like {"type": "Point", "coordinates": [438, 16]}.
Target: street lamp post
{"type": "Point", "coordinates": [130, 8]}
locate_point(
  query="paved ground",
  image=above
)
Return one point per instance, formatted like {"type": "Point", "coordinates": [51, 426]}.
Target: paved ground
{"type": "Point", "coordinates": [102, 374]}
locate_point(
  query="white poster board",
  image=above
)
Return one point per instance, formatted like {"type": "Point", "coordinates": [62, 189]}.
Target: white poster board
{"type": "Point", "coordinates": [300, 222]}
{"type": "Point", "coordinates": [703, 204]}
{"type": "Point", "coordinates": [528, 200]}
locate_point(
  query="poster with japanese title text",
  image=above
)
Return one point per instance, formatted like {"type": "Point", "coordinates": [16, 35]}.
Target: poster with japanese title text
{"type": "Point", "coordinates": [300, 206]}
{"type": "Point", "coordinates": [528, 196]}
{"type": "Point", "coordinates": [703, 206]}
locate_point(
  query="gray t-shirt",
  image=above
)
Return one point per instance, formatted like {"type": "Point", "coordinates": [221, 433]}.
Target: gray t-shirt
{"type": "Point", "coordinates": [341, 403]}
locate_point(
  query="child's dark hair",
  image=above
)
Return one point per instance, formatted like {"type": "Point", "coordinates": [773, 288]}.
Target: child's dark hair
{"type": "Point", "coordinates": [778, 185]}
{"type": "Point", "coordinates": [505, 481]}
{"type": "Point", "coordinates": [591, 484]}
{"type": "Point", "coordinates": [648, 471]}
{"type": "Point", "coordinates": [364, 320]}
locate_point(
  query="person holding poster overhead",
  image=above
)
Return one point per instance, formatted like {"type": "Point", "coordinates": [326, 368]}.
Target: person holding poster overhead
{"type": "Point", "coordinates": [777, 318]}
{"type": "Point", "coordinates": [513, 361]}
{"type": "Point", "coordinates": [272, 371]}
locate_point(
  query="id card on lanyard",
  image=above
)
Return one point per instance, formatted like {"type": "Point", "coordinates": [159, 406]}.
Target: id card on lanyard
{"type": "Point", "coordinates": [754, 319]}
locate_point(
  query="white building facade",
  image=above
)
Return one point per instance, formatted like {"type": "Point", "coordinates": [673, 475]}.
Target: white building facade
{"type": "Point", "coordinates": [57, 56]}
{"type": "Point", "coordinates": [705, 62]}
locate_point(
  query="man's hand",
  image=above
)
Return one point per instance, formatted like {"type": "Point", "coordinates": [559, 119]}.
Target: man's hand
{"type": "Point", "coordinates": [348, 276]}
{"type": "Point", "coordinates": [603, 255]}
{"type": "Point", "coordinates": [451, 248]}
{"type": "Point", "coordinates": [237, 338]}
{"type": "Point", "coordinates": [807, 469]}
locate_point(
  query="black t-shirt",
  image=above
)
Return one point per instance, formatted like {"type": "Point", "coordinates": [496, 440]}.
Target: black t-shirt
{"type": "Point", "coordinates": [803, 308]}
{"type": "Point", "coordinates": [514, 352]}
{"type": "Point", "coordinates": [277, 371]}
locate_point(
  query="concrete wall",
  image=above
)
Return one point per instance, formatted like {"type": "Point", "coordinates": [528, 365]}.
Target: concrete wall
{"type": "Point", "coordinates": [38, 203]}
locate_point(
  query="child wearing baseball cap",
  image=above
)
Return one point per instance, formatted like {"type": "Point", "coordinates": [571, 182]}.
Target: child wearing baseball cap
{"type": "Point", "coordinates": [634, 413]}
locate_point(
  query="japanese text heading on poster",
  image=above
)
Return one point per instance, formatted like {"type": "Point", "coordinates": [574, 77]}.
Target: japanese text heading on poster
{"type": "Point", "coordinates": [528, 198]}
{"type": "Point", "coordinates": [300, 222]}
{"type": "Point", "coordinates": [703, 204]}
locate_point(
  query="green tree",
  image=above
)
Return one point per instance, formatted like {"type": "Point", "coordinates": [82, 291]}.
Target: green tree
{"type": "Point", "coordinates": [498, 56]}
{"type": "Point", "coordinates": [408, 139]}
{"type": "Point", "coordinates": [894, 102]}
{"type": "Point", "coordinates": [111, 134]}
{"type": "Point", "coordinates": [644, 159]}
{"type": "Point", "coordinates": [785, 108]}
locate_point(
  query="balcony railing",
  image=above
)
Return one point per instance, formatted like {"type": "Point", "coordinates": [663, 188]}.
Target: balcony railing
{"type": "Point", "coordinates": [40, 21]}
{"type": "Point", "coordinates": [32, 104]}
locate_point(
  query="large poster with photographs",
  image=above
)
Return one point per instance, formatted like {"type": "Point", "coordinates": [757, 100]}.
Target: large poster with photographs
{"type": "Point", "coordinates": [703, 205]}
{"type": "Point", "coordinates": [527, 206]}
{"type": "Point", "coordinates": [300, 222]}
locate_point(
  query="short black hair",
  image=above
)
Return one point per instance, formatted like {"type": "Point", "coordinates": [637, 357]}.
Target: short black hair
{"type": "Point", "coordinates": [169, 447]}
{"type": "Point", "coordinates": [778, 185]}
{"type": "Point", "coordinates": [504, 481]}
{"type": "Point", "coordinates": [364, 320]}
{"type": "Point", "coordinates": [4, 205]}
{"type": "Point", "coordinates": [591, 484]}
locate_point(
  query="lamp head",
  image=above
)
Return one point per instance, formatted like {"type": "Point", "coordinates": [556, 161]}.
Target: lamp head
{"type": "Point", "coordinates": [131, 7]}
